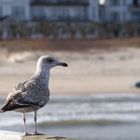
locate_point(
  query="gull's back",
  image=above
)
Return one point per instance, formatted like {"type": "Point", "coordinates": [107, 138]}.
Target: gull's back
{"type": "Point", "coordinates": [27, 96]}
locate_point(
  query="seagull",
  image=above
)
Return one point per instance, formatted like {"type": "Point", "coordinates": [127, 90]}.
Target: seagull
{"type": "Point", "coordinates": [33, 94]}
{"type": "Point", "coordinates": [137, 84]}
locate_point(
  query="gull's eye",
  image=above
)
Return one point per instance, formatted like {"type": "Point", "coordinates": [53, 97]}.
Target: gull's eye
{"type": "Point", "coordinates": [49, 60]}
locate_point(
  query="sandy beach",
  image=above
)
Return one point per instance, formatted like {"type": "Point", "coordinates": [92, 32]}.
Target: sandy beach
{"type": "Point", "coordinates": [94, 94]}
{"type": "Point", "coordinates": [89, 72]}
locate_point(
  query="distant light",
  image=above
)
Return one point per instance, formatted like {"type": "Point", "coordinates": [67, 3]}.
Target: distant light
{"type": "Point", "coordinates": [102, 2]}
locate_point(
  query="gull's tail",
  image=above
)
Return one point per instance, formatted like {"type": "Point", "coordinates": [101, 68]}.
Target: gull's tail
{"type": "Point", "coordinates": [1, 111]}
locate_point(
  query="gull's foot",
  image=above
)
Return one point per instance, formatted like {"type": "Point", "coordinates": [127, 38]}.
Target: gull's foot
{"type": "Point", "coordinates": [26, 134]}
{"type": "Point", "coordinates": [36, 133]}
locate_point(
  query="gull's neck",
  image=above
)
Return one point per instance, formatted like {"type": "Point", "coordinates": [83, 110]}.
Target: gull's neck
{"type": "Point", "coordinates": [43, 74]}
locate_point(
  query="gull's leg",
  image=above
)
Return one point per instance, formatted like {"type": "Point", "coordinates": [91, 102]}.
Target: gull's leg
{"type": "Point", "coordinates": [35, 120]}
{"type": "Point", "coordinates": [24, 120]}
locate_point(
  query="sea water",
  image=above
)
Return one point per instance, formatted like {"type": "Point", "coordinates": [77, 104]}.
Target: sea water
{"type": "Point", "coordinates": [97, 117]}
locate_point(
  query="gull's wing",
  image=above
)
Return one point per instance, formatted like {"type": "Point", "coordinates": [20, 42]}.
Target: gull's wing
{"type": "Point", "coordinates": [26, 94]}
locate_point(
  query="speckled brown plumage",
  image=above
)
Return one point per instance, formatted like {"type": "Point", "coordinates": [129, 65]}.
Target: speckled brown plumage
{"type": "Point", "coordinates": [32, 94]}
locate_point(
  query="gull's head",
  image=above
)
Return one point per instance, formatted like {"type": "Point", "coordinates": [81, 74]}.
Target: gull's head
{"type": "Point", "coordinates": [48, 62]}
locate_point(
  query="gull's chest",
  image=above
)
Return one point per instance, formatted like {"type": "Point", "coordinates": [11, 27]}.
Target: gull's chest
{"type": "Point", "coordinates": [37, 88]}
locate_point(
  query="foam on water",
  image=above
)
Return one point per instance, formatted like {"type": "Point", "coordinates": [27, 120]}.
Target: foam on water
{"type": "Point", "coordinates": [99, 108]}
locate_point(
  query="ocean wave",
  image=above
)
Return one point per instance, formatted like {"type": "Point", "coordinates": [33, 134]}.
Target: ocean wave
{"type": "Point", "coordinates": [98, 109]}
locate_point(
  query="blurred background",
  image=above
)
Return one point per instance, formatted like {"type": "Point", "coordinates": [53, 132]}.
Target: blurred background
{"type": "Point", "coordinates": [95, 97]}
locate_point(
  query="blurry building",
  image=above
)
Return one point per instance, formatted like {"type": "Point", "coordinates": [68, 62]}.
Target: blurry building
{"type": "Point", "coordinates": [59, 10]}
{"type": "Point", "coordinates": [117, 10]}
{"type": "Point", "coordinates": [65, 10]}
{"type": "Point", "coordinates": [18, 9]}
{"type": "Point", "coordinates": [122, 10]}
{"type": "Point", "coordinates": [71, 10]}
{"type": "Point", "coordinates": [69, 18]}
{"type": "Point", "coordinates": [135, 10]}
{"type": "Point", "coordinates": [93, 10]}
{"type": "Point", "coordinates": [50, 10]}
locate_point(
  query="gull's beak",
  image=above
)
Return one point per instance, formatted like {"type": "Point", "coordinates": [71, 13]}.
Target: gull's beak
{"type": "Point", "coordinates": [62, 64]}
